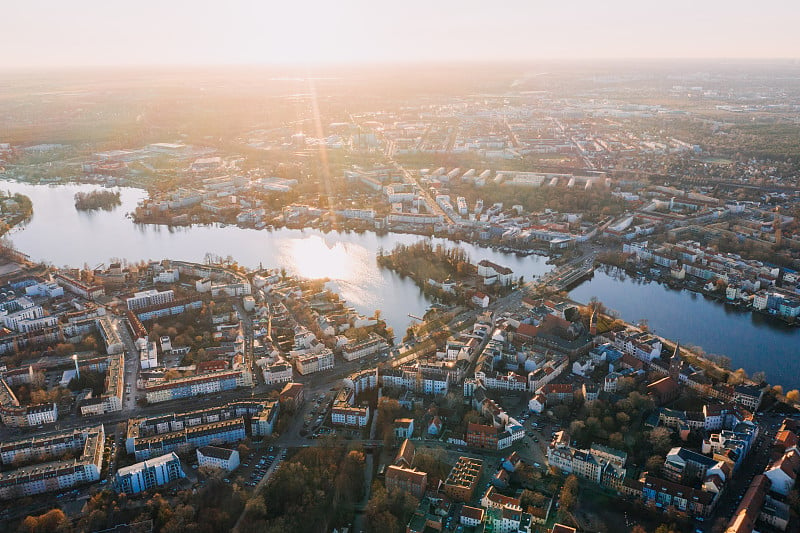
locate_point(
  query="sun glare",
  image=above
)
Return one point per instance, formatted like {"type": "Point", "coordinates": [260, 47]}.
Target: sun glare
{"type": "Point", "coordinates": [312, 258]}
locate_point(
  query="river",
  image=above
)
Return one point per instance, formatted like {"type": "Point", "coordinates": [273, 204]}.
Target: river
{"type": "Point", "coordinates": [59, 234]}
{"type": "Point", "coordinates": [752, 341]}
{"type": "Point", "coordinates": [63, 236]}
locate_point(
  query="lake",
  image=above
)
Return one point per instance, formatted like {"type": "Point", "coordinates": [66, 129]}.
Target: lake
{"type": "Point", "coordinates": [61, 235]}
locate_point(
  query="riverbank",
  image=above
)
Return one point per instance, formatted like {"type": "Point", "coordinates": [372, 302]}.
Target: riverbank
{"type": "Point", "coordinates": [749, 340]}
{"type": "Point", "coordinates": [662, 276]}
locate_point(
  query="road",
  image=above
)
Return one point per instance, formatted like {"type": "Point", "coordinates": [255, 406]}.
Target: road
{"type": "Point", "coordinates": [753, 464]}
{"type": "Point", "coordinates": [131, 365]}
{"type": "Point", "coordinates": [429, 200]}
{"type": "Point", "coordinates": [358, 521]}
{"type": "Point", "coordinates": [247, 327]}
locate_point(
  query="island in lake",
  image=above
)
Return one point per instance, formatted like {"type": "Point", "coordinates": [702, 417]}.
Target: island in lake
{"type": "Point", "coordinates": [89, 201]}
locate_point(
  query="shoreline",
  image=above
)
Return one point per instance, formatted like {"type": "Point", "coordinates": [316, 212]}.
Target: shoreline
{"type": "Point", "coordinates": [675, 284]}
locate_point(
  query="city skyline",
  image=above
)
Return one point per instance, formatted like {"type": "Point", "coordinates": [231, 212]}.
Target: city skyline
{"type": "Point", "coordinates": [247, 33]}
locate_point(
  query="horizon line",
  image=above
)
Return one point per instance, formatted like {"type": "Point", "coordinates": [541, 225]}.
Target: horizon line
{"type": "Point", "coordinates": [396, 63]}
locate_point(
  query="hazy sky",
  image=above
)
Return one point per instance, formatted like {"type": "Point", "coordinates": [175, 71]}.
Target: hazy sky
{"type": "Point", "coordinates": [42, 33]}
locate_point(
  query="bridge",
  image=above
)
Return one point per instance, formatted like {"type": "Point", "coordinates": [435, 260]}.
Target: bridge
{"type": "Point", "coordinates": [566, 276]}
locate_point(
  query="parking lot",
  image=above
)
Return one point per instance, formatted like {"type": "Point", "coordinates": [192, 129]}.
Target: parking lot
{"type": "Point", "coordinates": [255, 466]}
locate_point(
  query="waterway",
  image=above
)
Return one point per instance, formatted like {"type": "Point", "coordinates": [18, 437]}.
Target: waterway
{"type": "Point", "coordinates": [752, 341]}
{"type": "Point", "coordinates": [63, 236]}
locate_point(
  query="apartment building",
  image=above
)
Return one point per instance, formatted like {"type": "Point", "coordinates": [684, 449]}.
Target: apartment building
{"type": "Point", "coordinates": [171, 308]}
{"type": "Point", "coordinates": [12, 414]}
{"type": "Point", "coordinates": [601, 464]}
{"type": "Point", "coordinates": [216, 457]}
{"type": "Point", "coordinates": [406, 479]}
{"type": "Point", "coordinates": [148, 474]}
{"type": "Point", "coordinates": [29, 415]}
{"type": "Point", "coordinates": [74, 286]}
{"type": "Point", "coordinates": [148, 353]}
{"type": "Point", "coordinates": [294, 393]}
{"type": "Point", "coordinates": [152, 297]}
{"type": "Point", "coordinates": [184, 440]}
{"type": "Point", "coordinates": [686, 466]}
{"type": "Point", "coordinates": [748, 395]}
{"type": "Point", "coordinates": [363, 380]}
{"type": "Point", "coordinates": [111, 399]}
{"type": "Point", "coordinates": [310, 363]}
{"type": "Point", "coordinates": [665, 494]}
{"type": "Point", "coordinates": [463, 479]}
{"type": "Point", "coordinates": [86, 443]}
{"type": "Point", "coordinates": [276, 373]}
{"type": "Point", "coordinates": [481, 436]}
{"type": "Point", "coordinates": [232, 422]}
{"type": "Point", "coordinates": [345, 413]}
{"type": "Point", "coordinates": [186, 387]}
{"type": "Point", "coordinates": [371, 345]}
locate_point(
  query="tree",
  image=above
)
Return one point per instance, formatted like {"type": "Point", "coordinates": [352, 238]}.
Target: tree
{"type": "Point", "coordinates": [432, 461]}
{"type": "Point", "coordinates": [64, 348]}
{"type": "Point", "coordinates": [793, 396]}
{"type": "Point", "coordinates": [661, 439]}
{"type": "Point", "coordinates": [625, 385]}
{"type": "Point", "coordinates": [531, 498]}
{"type": "Point", "coordinates": [737, 377]}
{"type": "Point", "coordinates": [654, 463]}
{"type": "Point", "coordinates": [53, 520]}
{"type": "Point", "coordinates": [569, 493]}
{"type": "Point", "coordinates": [243, 449]}
{"type": "Point", "coordinates": [561, 411]}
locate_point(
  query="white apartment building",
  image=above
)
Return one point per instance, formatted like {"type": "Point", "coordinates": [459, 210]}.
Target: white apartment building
{"type": "Point", "coordinates": [167, 276]}
{"type": "Point", "coordinates": [110, 335]}
{"type": "Point", "coordinates": [29, 325]}
{"type": "Point", "coordinates": [54, 475]}
{"type": "Point", "coordinates": [310, 363]}
{"type": "Point", "coordinates": [45, 413]}
{"type": "Point", "coordinates": [148, 353]}
{"type": "Point", "coordinates": [280, 372]}
{"type": "Point", "coordinates": [143, 299]}
{"type": "Point", "coordinates": [217, 457]}
{"type": "Point", "coordinates": [197, 385]}
{"type": "Point", "coordinates": [12, 319]}
{"type": "Point", "coordinates": [372, 344]}
{"type": "Point", "coordinates": [148, 474]}
{"type": "Point", "coordinates": [362, 381]}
